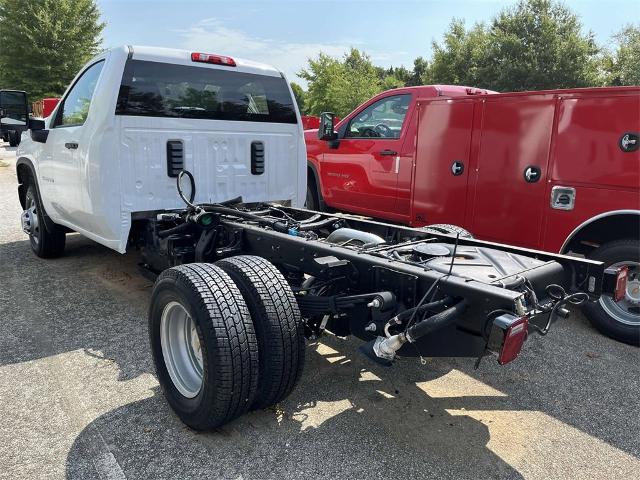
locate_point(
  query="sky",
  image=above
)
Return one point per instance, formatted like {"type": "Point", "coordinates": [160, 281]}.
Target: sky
{"type": "Point", "coordinates": [286, 33]}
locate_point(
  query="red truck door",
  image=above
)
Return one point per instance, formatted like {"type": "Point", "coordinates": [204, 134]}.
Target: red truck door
{"type": "Point", "coordinates": [511, 170]}
{"type": "Point", "coordinates": [442, 161]}
{"type": "Point", "coordinates": [361, 174]}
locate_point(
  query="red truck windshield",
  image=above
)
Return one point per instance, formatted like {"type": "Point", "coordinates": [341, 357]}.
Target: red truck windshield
{"type": "Point", "coordinates": [167, 90]}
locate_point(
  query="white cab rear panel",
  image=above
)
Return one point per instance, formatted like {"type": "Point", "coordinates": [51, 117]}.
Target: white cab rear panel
{"type": "Point", "coordinates": [218, 154]}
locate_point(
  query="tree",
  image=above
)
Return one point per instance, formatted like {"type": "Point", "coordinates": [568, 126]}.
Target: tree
{"type": "Point", "coordinates": [319, 75]}
{"type": "Point", "coordinates": [461, 57]}
{"type": "Point", "coordinates": [538, 44]}
{"type": "Point", "coordinates": [420, 75]}
{"type": "Point", "coordinates": [622, 65]}
{"type": "Point", "coordinates": [300, 96]}
{"type": "Point", "coordinates": [44, 43]}
{"type": "Point", "coordinates": [340, 85]}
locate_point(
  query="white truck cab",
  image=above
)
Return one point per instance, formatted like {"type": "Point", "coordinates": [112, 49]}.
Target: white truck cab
{"type": "Point", "coordinates": [135, 116]}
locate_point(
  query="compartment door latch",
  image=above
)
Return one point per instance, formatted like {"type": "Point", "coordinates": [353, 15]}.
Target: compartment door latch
{"type": "Point", "coordinates": [563, 198]}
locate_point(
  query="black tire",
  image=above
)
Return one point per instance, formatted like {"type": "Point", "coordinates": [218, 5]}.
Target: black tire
{"type": "Point", "coordinates": [14, 138]}
{"type": "Point", "coordinates": [279, 328]}
{"type": "Point", "coordinates": [445, 228]}
{"type": "Point", "coordinates": [619, 328]}
{"type": "Point", "coordinates": [47, 239]}
{"type": "Point", "coordinates": [311, 201]}
{"type": "Point", "coordinates": [229, 348]}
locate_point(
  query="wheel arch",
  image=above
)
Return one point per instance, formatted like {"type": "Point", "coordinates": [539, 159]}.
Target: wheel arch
{"type": "Point", "coordinates": [25, 171]}
{"type": "Point", "coordinates": [312, 176]}
{"type": "Point", "coordinates": [602, 228]}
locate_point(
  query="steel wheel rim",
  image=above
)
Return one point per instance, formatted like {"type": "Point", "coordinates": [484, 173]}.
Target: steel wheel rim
{"type": "Point", "coordinates": [181, 349]}
{"type": "Point", "coordinates": [627, 310]}
{"type": "Point", "coordinates": [34, 222]}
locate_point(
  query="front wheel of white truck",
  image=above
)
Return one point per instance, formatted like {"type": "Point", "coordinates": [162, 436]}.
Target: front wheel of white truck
{"type": "Point", "coordinates": [204, 345]}
{"type": "Point", "coordinates": [47, 241]}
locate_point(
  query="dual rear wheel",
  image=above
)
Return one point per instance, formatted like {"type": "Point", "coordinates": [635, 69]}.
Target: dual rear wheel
{"type": "Point", "coordinates": [226, 338]}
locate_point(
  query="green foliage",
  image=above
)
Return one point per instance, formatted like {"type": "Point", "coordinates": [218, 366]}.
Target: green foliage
{"type": "Point", "coordinates": [300, 96]}
{"type": "Point", "coordinates": [622, 66]}
{"type": "Point", "coordinates": [459, 60]}
{"type": "Point", "coordinates": [537, 45]}
{"type": "Point", "coordinates": [534, 45]}
{"type": "Point", "coordinates": [340, 85]}
{"type": "Point", "coordinates": [421, 74]}
{"type": "Point", "coordinates": [44, 43]}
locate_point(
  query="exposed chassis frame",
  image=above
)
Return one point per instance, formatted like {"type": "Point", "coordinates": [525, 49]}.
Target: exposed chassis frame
{"type": "Point", "coordinates": [368, 271]}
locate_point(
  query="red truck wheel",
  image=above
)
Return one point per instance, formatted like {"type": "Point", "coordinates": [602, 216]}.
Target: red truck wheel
{"type": "Point", "coordinates": [619, 320]}
{"type": "Point", "coordinates": [310, 202]}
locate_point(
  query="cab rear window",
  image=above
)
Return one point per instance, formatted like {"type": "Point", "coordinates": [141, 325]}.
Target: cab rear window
{"type": "Point", "coordinates": [156, 89]}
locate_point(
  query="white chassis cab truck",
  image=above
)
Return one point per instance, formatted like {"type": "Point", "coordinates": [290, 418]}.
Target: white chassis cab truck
{"type": "Point", "coordinates": [198, 161]}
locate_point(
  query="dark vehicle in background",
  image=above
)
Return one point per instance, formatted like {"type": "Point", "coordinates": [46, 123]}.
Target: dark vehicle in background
{"type": "Point", "coordinates": [13, 115]}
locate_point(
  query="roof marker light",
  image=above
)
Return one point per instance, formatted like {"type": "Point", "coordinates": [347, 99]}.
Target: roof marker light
{"type": "Point", "coordinates": [214, 59]}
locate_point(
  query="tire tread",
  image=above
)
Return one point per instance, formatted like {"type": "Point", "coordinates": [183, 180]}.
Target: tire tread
{"type": "Point", "coordinates": [279, 328]}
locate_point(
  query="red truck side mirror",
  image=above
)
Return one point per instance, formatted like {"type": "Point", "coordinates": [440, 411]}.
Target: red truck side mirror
{"type": "Point", "coordinates": [326, 131]}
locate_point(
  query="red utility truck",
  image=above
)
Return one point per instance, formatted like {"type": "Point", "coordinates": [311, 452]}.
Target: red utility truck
{"type": "Point", "coordinates": [555, 170]}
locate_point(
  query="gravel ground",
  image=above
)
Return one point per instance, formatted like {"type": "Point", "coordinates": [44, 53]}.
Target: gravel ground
{"type": "Point", "coordinates": [79, 399]}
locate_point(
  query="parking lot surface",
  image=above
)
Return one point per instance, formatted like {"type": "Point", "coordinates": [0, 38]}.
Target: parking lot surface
{"type": "Point", "coordinates": [79, 399]}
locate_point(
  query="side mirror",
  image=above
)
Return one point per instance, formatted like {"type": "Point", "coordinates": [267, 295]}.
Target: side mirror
{"type": "Point", "coordinates": [326, 131]}
{"type": "Point", "coordinates": [36, 124]}
{"type": "Point", "coordinates": [37, 130]}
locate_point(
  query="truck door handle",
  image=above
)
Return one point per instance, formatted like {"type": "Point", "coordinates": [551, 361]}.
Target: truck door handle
{"type": "Point", "coordinates": [388, 153]}
{"type": "Point", "coordinates": [71, 145]}
{"type": "Point", "coordinates": [532, 174]}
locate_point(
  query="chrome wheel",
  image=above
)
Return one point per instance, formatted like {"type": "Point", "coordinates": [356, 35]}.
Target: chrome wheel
{"type": "Point", "coordinates": [181, 349]}
{"type": "Point", "coordinates": [627, 310]}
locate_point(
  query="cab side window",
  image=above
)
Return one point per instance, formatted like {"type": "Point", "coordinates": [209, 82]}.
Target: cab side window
{"type": "Point", "coordinates": [75, 108]}
{"type": "Point", "coordinates": [382, 119]}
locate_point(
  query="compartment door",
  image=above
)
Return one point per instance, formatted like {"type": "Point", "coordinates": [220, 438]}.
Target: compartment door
{"type": "Point", "coordinates": [442, 162]}
{"type": "Point", "coordinates": [511, 176]}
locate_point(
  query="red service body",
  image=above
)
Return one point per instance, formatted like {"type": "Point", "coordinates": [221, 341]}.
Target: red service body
{"type": "Point", "coordinates": [43, 108]}
{"type": "Point", "coordinates": [534, 169]}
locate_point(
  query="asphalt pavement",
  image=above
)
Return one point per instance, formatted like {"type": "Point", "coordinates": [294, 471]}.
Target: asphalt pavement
{"type": "Point", "coordinates": [79, 398]}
